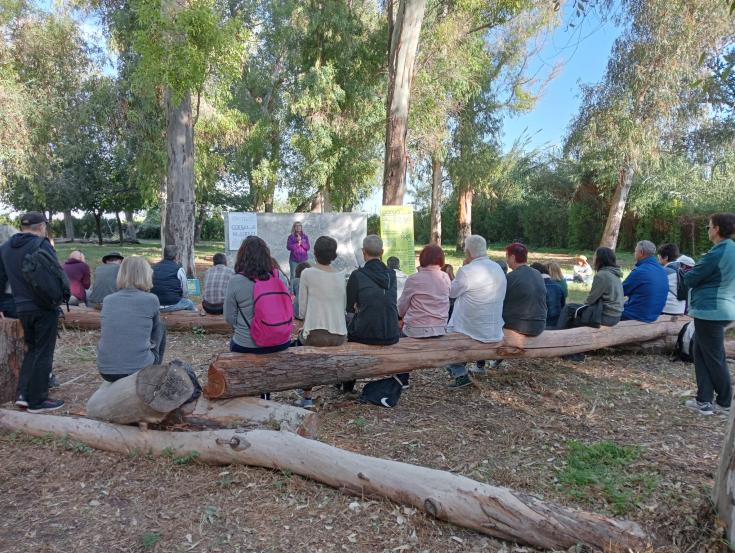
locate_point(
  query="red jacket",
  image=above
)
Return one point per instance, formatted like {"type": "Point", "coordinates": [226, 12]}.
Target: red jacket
{"type": "Point", "coordinates": [79, 279]}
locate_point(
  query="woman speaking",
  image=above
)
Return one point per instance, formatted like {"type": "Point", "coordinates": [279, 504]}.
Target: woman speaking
{"type": "Point", "coordinates": [298, 246]}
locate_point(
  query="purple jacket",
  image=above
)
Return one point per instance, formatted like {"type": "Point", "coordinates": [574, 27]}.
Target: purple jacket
{"type": "Point", "coordinates": [79, 278]}
{"type": "Point", "coordinates": [298, 251]}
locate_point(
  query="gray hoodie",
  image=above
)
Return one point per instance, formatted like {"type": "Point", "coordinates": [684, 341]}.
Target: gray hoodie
{"type": "Point", "coordinates": [608, 287]}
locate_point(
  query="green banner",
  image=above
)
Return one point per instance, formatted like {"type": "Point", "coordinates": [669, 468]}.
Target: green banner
{"type": "Point", "coordinates": [396, 231]}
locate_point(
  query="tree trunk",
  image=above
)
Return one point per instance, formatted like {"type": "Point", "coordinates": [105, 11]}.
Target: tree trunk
{"type": "Point", "coordinates": [179, 226]}
{"type": "Point", "coordinates": [491, 510]}
{"type": "Point", "coordinates": [12, 351]}
{"type": "Point", "coordinates": [98, 226]}
{"type": "Point", "coordinates": [464, 214]}
{"type": "Point", "coordinates": [723, 493]}
{"type": "Point", "coordinates": [199, 226]}
{"type": "Point", "coordinates": [231, 413]}
{"type": "Point", "coordinates": [162, 200]}
{"type": "Point", "coordinates": [89, 319]}
{"type": "Point", "coordinates": [120, 230]}
{"type": "Point", "coordinates": [617, 206]}
{"type": "Point", "coordinates": [146, 396]}
{"type": "Point", "coordinates": [130, 232]}
{"type": "Point", "coordinates": [235, 375]}
{"type": "Point", "coordinates": [401, 61]}
{"type": "Point", "coordinates": [69, 225]}
{"type": "Point", "coordinates": [436, 200]}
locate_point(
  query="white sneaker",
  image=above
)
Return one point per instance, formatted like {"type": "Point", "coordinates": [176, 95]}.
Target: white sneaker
{"type": "Point", "coordinates": [701, 407]}
{"type": "Point", "coordinates": [719, 410]}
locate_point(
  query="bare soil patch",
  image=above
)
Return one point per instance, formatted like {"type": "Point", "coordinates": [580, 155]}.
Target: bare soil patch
{"type": "Point", "coordinates": [512, 429]}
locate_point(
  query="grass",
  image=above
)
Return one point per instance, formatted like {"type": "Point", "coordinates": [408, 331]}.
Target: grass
{"type": "Point", "coordinates": [604, 469]}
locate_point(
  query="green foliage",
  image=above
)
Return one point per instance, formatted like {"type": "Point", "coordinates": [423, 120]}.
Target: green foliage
{"type": "Point", "coordinates": [603, 469]}
{"type": "Point", "coordinates": [149, 540]}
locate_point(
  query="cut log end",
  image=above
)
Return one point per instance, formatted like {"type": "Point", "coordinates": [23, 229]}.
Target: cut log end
{"type": "Point", "coordinates": [216, 382]}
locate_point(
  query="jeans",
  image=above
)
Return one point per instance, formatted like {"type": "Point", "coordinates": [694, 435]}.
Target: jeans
{"type": "Point", "coordinates": [710, 363]}
{"type": "Point", "coordinates": [237, 348]}
{"type": "Point", "coordinates": [40, 331]}
{"type": "Point", "coordinates": [184, 304]}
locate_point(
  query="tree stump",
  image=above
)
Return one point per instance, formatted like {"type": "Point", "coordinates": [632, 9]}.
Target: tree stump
{"type": "Point", "coordinates": [12, 351]}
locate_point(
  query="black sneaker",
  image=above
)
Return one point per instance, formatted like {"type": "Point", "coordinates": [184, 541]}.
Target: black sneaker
{"type": "Point", "coordinates": [701, 407]}
{"type": "Point", "coordinates": [53, 381]}
{"type": "Point", "coordinates": [46, 406]}
{"type": "Point", "coordinates": [20, 401]}
{"type": "Point", "coordinates": [460, 382]}
{"type": "Point", "coordinates": [266, 396]}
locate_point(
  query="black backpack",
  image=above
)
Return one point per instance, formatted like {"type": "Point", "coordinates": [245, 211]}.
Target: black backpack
{"type": "Point", "coordinates": [46, 279]}
{"type": "Point", "coordinates": [682, 290]}
{"type": "Point", "coordinates": [385, 392]}
{"type": "Point", "coordinates": [684, 349]}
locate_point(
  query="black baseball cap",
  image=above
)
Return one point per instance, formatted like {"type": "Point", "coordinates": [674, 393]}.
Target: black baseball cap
{"type": "Point", "coordinates": [32, 218]}
{"type": "Point", "coordinates": [112, 255]}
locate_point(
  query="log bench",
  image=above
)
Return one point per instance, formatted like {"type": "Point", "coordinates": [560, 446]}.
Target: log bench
{"type": "Point", "coordinates": [85, 318]}
{"type": "Point", "coordinates": [237, 374]}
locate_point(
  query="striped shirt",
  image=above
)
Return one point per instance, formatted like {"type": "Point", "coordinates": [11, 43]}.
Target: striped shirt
{"type": "Point", "coordinates": [215, 283]}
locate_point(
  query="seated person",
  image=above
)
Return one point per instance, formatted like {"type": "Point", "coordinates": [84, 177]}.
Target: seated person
{"type": "Point", "coordinates": [554, 296]}
{"type": "Point", "coordinates": [582, 270]}
{"type": "Point", "coordinates": [668, 257]}
{"type": "Point", "coordinates": [558, 277]}
{"type": "Point", "coordinates": [371, 297]}
{"type": "Point", "coordinates": [424, 304]}
{"type": "Point", "coordinates": [78, 273]}
{"type": "Point", "coordinates": [295, 283]}
{"type": "Point", "coordinates": [253, 262]}
{"type": "Point", "coordinates": [524, 307]}
{"type": "Point", "coordinates": [478, 291]}
{"type": "Point", "coordinates": [132, 334]}
{"type": "Point", "coordinates": [322, 302]}
{"type": "Point", "coordinates": [395, 264]}
{"type": "Point", "coordinates": [7, 303]}
{"type": "Point", "coordinates": [170, 284]}
{"type": "Point", "coordinates": [647, 286]}
{"type": "Point", "coordinates": [606, 288]}
{"type": "Point", "coordinates": [215, 284]}
{"type": "Point", "coordinates": [105, 279]}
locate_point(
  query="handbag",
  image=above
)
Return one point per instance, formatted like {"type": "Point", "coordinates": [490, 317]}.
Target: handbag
{"type": "Point", "coordinates": [589, 315]}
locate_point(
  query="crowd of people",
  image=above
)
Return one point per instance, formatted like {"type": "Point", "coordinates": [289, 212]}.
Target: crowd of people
{"type": "Point", "coordinates": [375, 304]}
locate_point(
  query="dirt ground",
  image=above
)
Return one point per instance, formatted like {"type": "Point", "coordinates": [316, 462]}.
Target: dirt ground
{"type": "Point", "coordinates": [511, 429]}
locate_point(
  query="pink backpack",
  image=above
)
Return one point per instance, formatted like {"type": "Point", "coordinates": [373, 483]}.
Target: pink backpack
{"type": "Point", "coordinates": [272, 313]}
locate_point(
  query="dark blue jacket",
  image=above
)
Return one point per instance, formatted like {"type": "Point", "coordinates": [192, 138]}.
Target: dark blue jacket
{"type": "Point", "coordinates": [554, 302]}
{"type": "Point", "coordinates": [11, 259]}
{"type": "Point", "coordinates": [166, 283]}
{"type": "Point", "coordinates": [646, 287]}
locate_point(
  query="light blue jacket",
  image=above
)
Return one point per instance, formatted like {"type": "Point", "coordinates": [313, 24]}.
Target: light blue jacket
{"type": "Point", "coordinates": [712, 284]}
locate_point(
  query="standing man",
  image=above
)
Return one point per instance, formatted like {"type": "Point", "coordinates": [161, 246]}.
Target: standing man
{"type": "Point", "coordinates": [647, 286]}
{"type": "Point", "coordinates": [105, 279]}
{"type": "Point", "coordinates": [170, 283]}
{"type": "Point", "coordinates": [39, 322]}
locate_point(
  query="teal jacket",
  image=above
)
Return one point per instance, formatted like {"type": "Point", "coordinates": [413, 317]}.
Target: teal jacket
{"type": "Point", "coordinates": [712, 284]}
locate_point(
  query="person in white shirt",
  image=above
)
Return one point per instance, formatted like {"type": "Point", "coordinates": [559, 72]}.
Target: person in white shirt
{"type": "Point", "coordinates": [401, 277]}
{"type": "Point", "coordinates": [669, 256]}
{"type": "Point", "coordinates": [322, 303]}
{"type": "Point", "coordinates": [478, 290]}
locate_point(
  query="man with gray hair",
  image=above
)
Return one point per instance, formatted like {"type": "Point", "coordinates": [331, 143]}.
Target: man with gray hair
{"type": "Point", "coordinates": [646, 287]}
{"type": "Point", "coordinates": [478, 291]}
{"type": "Point", "coordinates": [170, 283]}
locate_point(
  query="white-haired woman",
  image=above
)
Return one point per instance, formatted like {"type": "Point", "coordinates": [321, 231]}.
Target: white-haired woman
{"type": "Point", "coordinates": [133, 336]}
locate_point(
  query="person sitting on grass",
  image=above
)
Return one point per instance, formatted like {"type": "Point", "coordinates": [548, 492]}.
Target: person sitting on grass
{"type": "Point", "coordinates": [557, 276]}
{"type": "Point", "coordinates": [253, 262]}
{"type": "Point", "coordinates": [582, 271]}
{"type": "Point", "coordinates": [295, 284]}
{"type": "Point", "coordinates": [372, 299]}
{"type": "Point", "coordinates": [647, 286]}
{"type": "Point", "coordinates": [395, 264]}
{"type": "Point", "coordinates": [424, 304]}
{"type": "Point", "coordinates": [105, 279]}
{"type": "Point", "coordinates": [478, 290]}
{"type": "Point", "coordinates": [322, 303]}
{"type": "Point", "coordinates": [78, 273]}
{"type": "Point", "coordinates": [170, 283]}
{"type": "Point", "coordinates": [215, 284]}
{"type": "Point", "coordinates": [554, 296]}
{"type": "Point", "coordinates": [132, 334]}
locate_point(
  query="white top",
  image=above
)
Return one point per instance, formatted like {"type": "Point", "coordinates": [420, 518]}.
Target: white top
{"type": "Point", "coordinates": [181, 274]}
{"type": "Point", "coordinates": [479, 289]}
{"type": "Point", "coordinates": [673, 306]}
{"type": "Point", "coordinates": [400, 282]}
{"type": "Point", "coordinates": [322, 301]}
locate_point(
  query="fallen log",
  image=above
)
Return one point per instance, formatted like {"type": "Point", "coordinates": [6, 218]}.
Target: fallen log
{"type": "Point", "coordinates": [723, 493]}
{"type": "Point", "coordinates": [236, 374]}
{"type": "Point", "coordinates": [148, 395]}
{"type": "Point", "coordinates": [247, 411]}
{"type": "Point", "coordinates": [491, 510]}
{"type": "Point", "coordinates": [12, 351]}
{"type": "Point", "coordinates": [85, 318]}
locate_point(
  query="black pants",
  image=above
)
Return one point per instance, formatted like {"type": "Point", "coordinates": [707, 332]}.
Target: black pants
{"type": "Point", "coordinates": [212, 308]}
{"type": "Point", "coordinates": [710, 363]}
{"type": "Point", "coordinates": [40, 330]}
